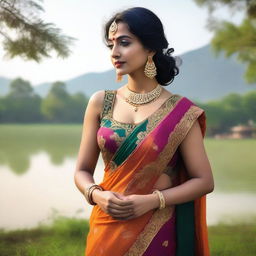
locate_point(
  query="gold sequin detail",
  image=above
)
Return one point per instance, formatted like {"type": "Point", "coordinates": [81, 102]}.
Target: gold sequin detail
{"type": "Point", "coordinates": [117, 125]}
{"type": "Point", "coordinates": [141, 136]}
{"type": "Point", "coordinates": [117, 138]}
{"type": "Point", "coordinates": [155, 147]}
{"type": "Point", "coordinates": [165, 243]}
{"type": "Point", "coordinates": [112, 165]}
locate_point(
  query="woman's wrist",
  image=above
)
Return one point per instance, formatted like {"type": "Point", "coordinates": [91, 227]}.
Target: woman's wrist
{"type": "Point", "coordinates": [95, 195]}
{"type": "Point", "coordinates": [88, 191]}
{"type": "Point", "coordinates": [154, 200]}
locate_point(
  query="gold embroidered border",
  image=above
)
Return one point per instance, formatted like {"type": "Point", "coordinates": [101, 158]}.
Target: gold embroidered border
{"type": "Point", "coordinates": [107, 103]}
{"type": "Point", "coordinates": [143, 176]}
{"type": "Point", "coordinates": [158, 219]}
{"type": "Point", "coordinates": [160, 216]}
{"type": "Point", "coordinates": [155, 118]}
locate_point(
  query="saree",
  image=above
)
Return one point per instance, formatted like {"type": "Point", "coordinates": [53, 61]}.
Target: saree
{"type": "Point", "coordinates": [135, 155]}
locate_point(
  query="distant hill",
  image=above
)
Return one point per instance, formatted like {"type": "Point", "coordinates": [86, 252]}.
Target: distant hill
{"type": "Point", "coordinates": [202, 77]}
{"type": "Point", "coordinates": [4, 85]}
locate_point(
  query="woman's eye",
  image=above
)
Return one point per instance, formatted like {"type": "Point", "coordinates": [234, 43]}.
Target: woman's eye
{"type": "Point", "coordinates": [110, 46]}
{"type": "Point", "coordinates": [124, 43]}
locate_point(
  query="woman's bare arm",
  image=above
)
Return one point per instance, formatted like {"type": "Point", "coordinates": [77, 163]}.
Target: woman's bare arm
{"type": "Point", "coordinates": [199, 170]}
{"type": "Point", "coordinates": [89, 151]}
{"type": "Point", "coordinates": [110, 202]}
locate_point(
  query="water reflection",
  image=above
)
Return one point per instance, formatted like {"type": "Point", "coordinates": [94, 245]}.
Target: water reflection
{"type": "Point", "coordinates": [19, 142]}
{"type": "Point", "coordinates": [37, 164]}
{"type": "Point", "coordinates": [46, 188]}
{"type": "Point", "coordinates": [31, 198]}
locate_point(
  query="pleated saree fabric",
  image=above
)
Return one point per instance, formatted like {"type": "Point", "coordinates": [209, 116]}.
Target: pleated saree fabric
{"type": "Point", "coordinates": [135, 155]}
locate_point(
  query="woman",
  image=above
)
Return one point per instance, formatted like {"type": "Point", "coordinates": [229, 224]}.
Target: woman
{"type": "Point", "coordinates": [152, 197]}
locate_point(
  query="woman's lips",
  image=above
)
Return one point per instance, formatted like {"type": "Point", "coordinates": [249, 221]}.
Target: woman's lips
{"type": "Point", "coordinates": [119, 64]}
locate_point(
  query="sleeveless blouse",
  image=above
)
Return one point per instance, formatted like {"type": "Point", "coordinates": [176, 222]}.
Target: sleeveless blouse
{"type": "Point", "coordinates": [112, 133]}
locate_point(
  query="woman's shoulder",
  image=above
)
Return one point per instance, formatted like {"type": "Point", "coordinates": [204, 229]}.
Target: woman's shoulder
{"type": "Point", "coordinates": [99, 98]}
{"type": "Point", "coordinates": [95, 102]}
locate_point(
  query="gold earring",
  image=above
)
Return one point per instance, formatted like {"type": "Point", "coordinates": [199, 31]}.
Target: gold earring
{"type": "Point", "coordinates": [150, 68]}
{"type": "Point", "coordinates": [119, 78]}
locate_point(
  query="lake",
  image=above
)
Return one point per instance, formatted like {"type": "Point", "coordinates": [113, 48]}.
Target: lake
{"type": "Point", "coordinates": [37, 164]}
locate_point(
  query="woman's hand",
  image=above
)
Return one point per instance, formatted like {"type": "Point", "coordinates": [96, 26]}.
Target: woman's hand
{"type": "Point", "coordinates": [142, 204]}
{"type": "Point", "coordinates": [113, 203]}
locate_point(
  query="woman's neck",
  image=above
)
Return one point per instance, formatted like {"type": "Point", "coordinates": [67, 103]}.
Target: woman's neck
{"type": "Point", "coordinates": [141, 84]}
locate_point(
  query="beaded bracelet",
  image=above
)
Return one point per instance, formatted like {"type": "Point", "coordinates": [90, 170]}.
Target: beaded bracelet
{"type": "Point", "coordinates": [161, 198]}
{"type": "Point", "coordinates": [88, 192]}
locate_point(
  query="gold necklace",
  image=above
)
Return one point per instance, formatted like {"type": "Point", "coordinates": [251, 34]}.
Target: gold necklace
{"type": "Point", "coordinates": [136, 99]}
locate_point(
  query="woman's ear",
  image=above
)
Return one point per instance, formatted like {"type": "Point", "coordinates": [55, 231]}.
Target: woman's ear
{"type": "Point", "coordinates": [151, 53]}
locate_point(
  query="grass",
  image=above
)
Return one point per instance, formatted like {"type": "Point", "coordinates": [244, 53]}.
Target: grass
{"type": "Point", "coordinates": [66, 237]}
{"type": "Point", "coordinates": [233, 164]}
{"type": "Point", "coordinates": [236, 240]}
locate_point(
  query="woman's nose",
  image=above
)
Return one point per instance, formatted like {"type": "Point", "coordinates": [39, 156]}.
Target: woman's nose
{"type": "Point", "coordinates": [115, 52]}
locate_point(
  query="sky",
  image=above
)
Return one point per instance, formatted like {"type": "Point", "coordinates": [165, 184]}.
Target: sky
{"type": "Point", "coordinates": [184, 24]}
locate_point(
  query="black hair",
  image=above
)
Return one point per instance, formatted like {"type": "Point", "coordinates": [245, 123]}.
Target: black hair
{"type": "Point", "coordinates": [148, 28]}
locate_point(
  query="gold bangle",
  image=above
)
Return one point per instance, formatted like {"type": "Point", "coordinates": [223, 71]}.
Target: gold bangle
{"type": "Point", "coordinates": [88, 192]}
{"type": "Point", "coordinates": [161, 198]}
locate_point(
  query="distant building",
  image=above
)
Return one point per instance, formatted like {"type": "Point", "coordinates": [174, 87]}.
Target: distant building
{"type": "Point", "coordinates": [239, 132]}
{"type": "Point", "coordinates": [243, 131]}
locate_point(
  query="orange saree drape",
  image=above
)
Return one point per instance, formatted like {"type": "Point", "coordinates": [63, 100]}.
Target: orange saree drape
{"type": "Point", "coordinates": [136, 175]}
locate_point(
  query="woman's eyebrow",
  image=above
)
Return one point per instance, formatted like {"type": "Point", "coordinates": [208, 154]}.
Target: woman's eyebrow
{"type": "Point", "coordinates": [120, 37]}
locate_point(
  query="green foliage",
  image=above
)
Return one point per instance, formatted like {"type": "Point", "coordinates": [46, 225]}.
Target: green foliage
{"type": "Point", "coordinates": [28, 36]}
{"type": "Point", "coordinates": [233, 109]}
{"type": "Point", "coordinates": [249, 104]}
{"type": "Point", "coordinates": [240, 40]}
{"type": "Point", "coordinates": [59, 106]}
{"type": "Point", "coordinates": [248, 5]}
{"type": "Point", "coordinates": [235, 39]}
{"type": "Point", "coordinates": [22, 105]}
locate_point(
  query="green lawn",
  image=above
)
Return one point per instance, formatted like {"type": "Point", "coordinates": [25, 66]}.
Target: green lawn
{"type": "Point", "coordinates": [233, 164]}
{"type": "Point", "coordinates": [66, 237]}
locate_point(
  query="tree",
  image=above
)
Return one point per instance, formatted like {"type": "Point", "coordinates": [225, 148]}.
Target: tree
{"type": "Point", "coordinates": [55, 106]}
{"type": "Point", "coordinates": [21, 105]}
{"type": "Point", "coordinates": [20, 88]}
{"type": "Point", "coordinates": [26, 35]}
{"type": "Point", "coordinates": [78, 106]}
{"type": "Point", "coordinates": [249, 103]}
{"type": "Point", "coordinates": [59, 106]}
{"type": "Point", "coordinates": [235, 39]}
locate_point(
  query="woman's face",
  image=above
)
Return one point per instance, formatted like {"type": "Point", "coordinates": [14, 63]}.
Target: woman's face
{"type": "Point", "coordinates": [127, 49]}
